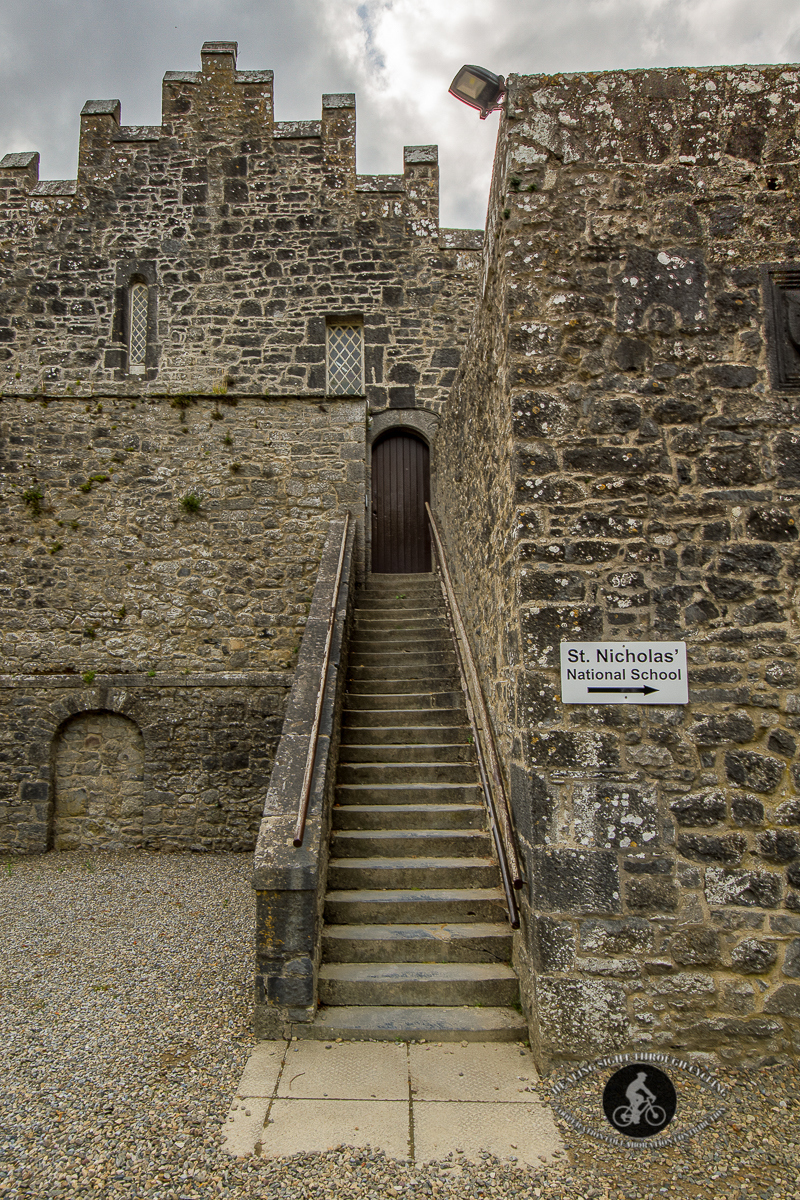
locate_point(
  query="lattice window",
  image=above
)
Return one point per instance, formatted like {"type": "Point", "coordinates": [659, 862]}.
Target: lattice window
{"type": "Point", "coordinates": [138, 308]}
{"type": "Point", "coordinates": [345, 360]}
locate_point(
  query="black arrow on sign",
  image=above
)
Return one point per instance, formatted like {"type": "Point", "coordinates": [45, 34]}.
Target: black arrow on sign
{"type": "Point", "coordinates": [647, 691]}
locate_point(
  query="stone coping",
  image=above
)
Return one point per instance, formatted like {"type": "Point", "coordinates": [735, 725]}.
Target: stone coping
{"type": "Point", "coordinates": [260, 679]}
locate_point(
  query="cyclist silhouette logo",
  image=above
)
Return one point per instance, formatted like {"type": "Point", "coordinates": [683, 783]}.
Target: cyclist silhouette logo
{"type": "Point", "coordinates": [639, 1100]}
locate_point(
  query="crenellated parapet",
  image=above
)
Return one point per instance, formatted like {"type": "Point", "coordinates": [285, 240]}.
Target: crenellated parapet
{"type": "Point", "coordinates": [216, 109]}
{"type": "Point", "coordinates": [212, 251]}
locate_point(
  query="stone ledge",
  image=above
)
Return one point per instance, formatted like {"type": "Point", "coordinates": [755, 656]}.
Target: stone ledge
{"type": "Point", "coordinates": [260, 679]}
{"type": "Point", "coordinates": [297, 129]}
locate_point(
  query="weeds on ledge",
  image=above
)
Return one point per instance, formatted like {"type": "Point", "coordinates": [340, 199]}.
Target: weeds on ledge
{"type": "Point", "coordinates": [99, 478]}
{"type": "Point", "coordinates": [33, 497]}
{"type": "Point", "coordinates": [191, 502]}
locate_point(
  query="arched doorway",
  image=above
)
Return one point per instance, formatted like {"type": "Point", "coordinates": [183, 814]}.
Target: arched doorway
{"type": "Point", "coordinates": [401, 542]}
{"type": "Point", "coordinates": [98, 767]}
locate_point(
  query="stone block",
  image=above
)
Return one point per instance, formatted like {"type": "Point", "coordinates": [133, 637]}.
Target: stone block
{"type": "Point", "coordinates": [715, 731]}
{"type": "Point", "coordinates": [574, 881]}
{"type": "Point", "coordinates": [755, 771]}
{"type": "Point", "coordinates": [651, 894]}
{"type": "Point", "coordinates": [544, 628]}
{"type": "Point", "coordinates": [791, 962]}
{"type": "Point", "coordinates": [753, 957]}
{"type": "Point", "coordinates": [721, 1032]}
{"type": "Point", "coordinates": [726, 885]}
{"type": "Point", "coordinates": [784, 1001]}
{"type": "Point", "coordinates": [632, 935]}
{"type": "Point", "coordinates": [552, 945]}
{"type": "Point", "coordinates": [610, 814]}
{"type": "Point", "coordinates": [737, 997]}
{"type": "Point", "coordinates": [537, 700]}
{"type": "Point", "coordinates": [700, 808]}
{"type": "Point", "coordinates": [697, 947]}
{"type": "Point", "coordinates": [746, 809]}
{"type": "Point", "coordinates": [778, 845]}
{"type": "Point", "coordinates": [728, 848]}
{"type": "Point", "coordinates": [563, 748]}
{"type": "Point", "coordinates": [532, 804]}
{"type": "Point", "coordinates": [687, 989]}
{"type": "Point", "coordinates": [580, 1017]}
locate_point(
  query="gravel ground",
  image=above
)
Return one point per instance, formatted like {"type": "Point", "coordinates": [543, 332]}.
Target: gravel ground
{"type": "Point", "coordinates": [125, 1027]}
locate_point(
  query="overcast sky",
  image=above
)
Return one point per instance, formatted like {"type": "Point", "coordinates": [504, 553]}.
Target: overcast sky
{"type": "Point", "coordinates": [399, 56]}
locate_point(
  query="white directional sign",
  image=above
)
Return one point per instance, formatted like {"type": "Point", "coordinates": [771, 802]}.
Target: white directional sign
{"type": "Point", "coordinates": [624, 673]}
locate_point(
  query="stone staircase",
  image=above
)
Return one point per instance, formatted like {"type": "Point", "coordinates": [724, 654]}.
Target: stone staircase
{"type": "Point", "coordinates": [416, 942]}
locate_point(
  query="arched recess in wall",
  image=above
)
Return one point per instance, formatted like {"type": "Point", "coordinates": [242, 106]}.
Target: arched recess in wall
{"type": "Point", "coordinates": [98, 783]}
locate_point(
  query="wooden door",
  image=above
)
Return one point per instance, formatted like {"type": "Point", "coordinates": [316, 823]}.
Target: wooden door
{"type": "Point", "coordinates": [401, 542]}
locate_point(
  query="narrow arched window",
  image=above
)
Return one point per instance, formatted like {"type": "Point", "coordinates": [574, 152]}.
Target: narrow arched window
{"type": "Point", "coordinates": [138, 329]}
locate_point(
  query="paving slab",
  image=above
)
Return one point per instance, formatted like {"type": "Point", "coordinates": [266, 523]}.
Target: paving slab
{"type": "Point", "coordinates": [262, 1070]}
{"type": "Point", "coordinates": [303, 1126]}
{"type": "Point", "coordinates": [459, 1099]}
{"type": "Point", "coordinates": [244, 1125]}
{"type": "Point", "coordinates": [485, 1071]}
{"type": "Point", "coordinates": [344, 1071]}
{"type": "Point", "coordinates": [522, 1131]}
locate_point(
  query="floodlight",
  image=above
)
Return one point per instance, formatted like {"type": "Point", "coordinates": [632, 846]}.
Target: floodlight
{"type": "Point", "coordinates": [479, 88]}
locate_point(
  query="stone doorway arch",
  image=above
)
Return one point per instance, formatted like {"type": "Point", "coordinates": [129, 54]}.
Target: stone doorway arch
{"type": "Point", "coordinates": [98, 783]}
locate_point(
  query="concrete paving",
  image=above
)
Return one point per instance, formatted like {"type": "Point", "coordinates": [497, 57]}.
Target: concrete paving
{"type": "Point", "coordinates": [417, 1101]}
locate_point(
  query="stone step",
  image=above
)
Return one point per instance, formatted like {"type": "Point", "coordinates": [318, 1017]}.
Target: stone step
{"type": "Point", "coordinates": [399, 687]}
{"type": "Point", "coordinates": [440, 676]}
{"type": "Point", "coordinates": [353, 752]}
{"type": "Point", "coordinates": [384, 640]}
{"type": "Point", "coordinates": [395, 583]}
{"type": "Point", "coordinates": [403, 1024]}
{"type": "Point", "coordinates": [409, 793]}
{"type": "Point", "coordinates": [406, 843]}
{"type": "Point", "coordinates": [409, 816]}
{"type": "Point", "coordinates": [423, 906]}
{"type": "Point", "coordinates": [396, 718]}
{"type": "Point", "coordinates": [390, 579]}
{"type": "Point", "coordinates": [488, 942]}
{"type": "Point", "coordinates": [426, 592]}
{"type": "Point", "coordinates": [401, 658]}
{"type": "Point", "coordinates": [393, 735]}
{"type": "Point", "coordinates": [349, 874]}
{"type": "Point", "coordinates": [417, 984]}
{"type": "Point", "coordinates": [377, 602]}
{"type": "Point", "coordinates": [406, 775]}
{"type": "Point", "coordinates": [372, 701]}
{"type": "Point", "coordinates": [414, 626]}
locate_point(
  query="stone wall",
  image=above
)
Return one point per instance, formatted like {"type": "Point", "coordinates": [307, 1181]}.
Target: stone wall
{"type": "Point", "coordinates": [110, 568]}
{"type": "Point", "coordinates": [208, 743]}
{"type": "Point", "coordinates": [644, 485]}
{"type": "Point", "coordinates": [162, 522]}
{"type": "Point", "coordinates": [250, 233]}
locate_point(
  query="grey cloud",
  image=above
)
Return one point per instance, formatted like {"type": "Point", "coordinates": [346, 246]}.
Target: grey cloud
{"type": "Point", "coordinates": [55, 54]}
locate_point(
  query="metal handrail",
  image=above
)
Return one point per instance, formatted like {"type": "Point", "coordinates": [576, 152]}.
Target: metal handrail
{"type": "Point", "coordinates": [311, 757]}
{"type": "Point", "coordinates": [499, 815]}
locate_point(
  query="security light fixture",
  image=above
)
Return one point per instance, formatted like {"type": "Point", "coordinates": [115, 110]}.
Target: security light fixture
{"type": "Point", "coordinates": [479, 88]}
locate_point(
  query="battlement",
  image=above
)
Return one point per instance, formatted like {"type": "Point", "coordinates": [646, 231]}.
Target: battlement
{"type": "Point", "coordinates": [227, 117]}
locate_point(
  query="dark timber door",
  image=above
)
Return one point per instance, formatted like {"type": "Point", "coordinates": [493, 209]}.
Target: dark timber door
{"type": "Point", "coordinates": [401, 541]}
